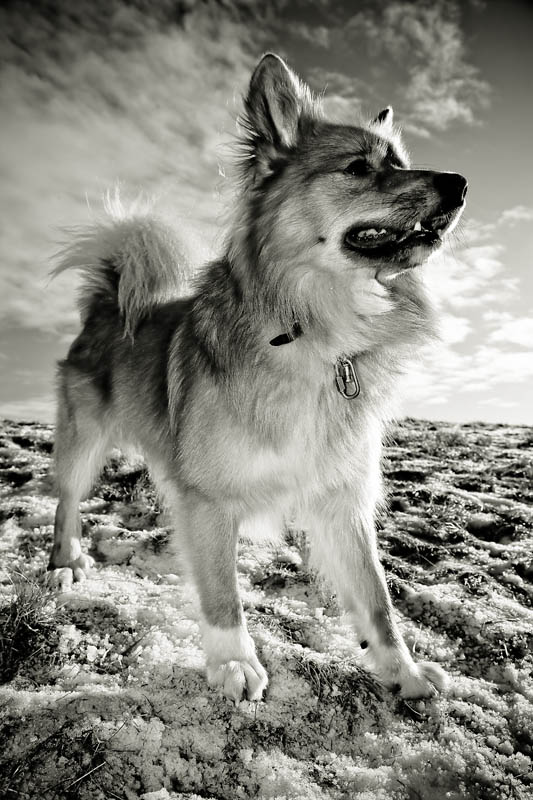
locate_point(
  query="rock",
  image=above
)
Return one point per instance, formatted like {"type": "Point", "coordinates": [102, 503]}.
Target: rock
{"type": "Point", "coordinates": [289, 559]}
{"type": "Point", "coordinates": [489, 527]}
{"type": "Point", "coordinates": [17, 477]}
{"type": "Point", "coordinates": [407, 475]}
{"type": "Point", "coordinates": [399, 504]}
{"type": "Point", "coordinates": [171, 578]}
{"type": "Point", "coordinates": [498, 567]}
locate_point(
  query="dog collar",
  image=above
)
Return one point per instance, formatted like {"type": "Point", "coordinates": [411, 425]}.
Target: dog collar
{"type": "Point", "coordinates": [346, 379]}
{"type": "Point", "coordinates": [286, 338]}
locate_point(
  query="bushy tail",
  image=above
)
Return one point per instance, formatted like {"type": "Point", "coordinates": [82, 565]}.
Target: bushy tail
{"type": "Point", "coordinates": [130, 256]}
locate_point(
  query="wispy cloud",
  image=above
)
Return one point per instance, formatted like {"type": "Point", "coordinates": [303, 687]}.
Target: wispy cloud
{"type": "Point", "coordinates": [342, 94]}
{"type": "Point", "coordinates": [442, 87]}
{"type": "Point", "coordinates": [474, 290]}
{"type": "Point", "coordinates": [471, 276]}
{"type": "Point", "coordinates": [445, 374]}
{"type": "Point", "coordinates": [454, 329]}
{"type": "Point", "coordinates": [85, 106]}
{"type": "Point", "coordinates": [517, 214]}
{"type": "Point", "coordinates": [517, 330]}
{"type": "Point", "coordinates": [120, 93]}
{"type": "Point", "coordinates": [433, 82]}
{"type": "Point", "coordinates": [318, 35]}
{"type": "Point", "coordinates": [29, 409]}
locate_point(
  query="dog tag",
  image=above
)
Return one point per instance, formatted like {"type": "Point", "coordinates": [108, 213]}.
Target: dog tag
{"type": "Point", "coordinates": [346, 379]}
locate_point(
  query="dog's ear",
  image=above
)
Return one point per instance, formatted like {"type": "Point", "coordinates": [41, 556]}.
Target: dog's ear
{"type": "Point", "coordinates": [274, 101]}
{"type": "Point", "coordinates": [385, 118]}
{"type": "Point", "coordinates": [274, 107]}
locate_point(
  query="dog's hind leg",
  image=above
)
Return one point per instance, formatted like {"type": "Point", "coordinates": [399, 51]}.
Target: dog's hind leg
{"type": "Point", "coordinates": [80, 449]}
{"type": "Point", "coordinates": [344, 548]}
{"type": "Point", "coordinates": [210, 532]}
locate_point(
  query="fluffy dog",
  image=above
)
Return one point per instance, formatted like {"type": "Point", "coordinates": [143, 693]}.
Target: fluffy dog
{"type": "Point", "coordinates": [265, 390]}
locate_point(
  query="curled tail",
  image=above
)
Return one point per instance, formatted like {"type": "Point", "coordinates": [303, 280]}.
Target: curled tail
{"type": "Point", "coordinates": [130, 257]}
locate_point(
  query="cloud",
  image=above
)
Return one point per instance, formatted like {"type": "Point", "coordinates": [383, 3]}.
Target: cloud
{"type": "Point", "coordinates": [497, 402]}
{"type": "Point", "coordinates": [342, 94]}
{"type": "Point", "coordinates": [144, 95]}
{"type": "Point", "coordinates": [431, 79]}
{"type": "Point", "coordinates": [138, 95]}
{"type": "Point", "coordinates": [29, 409]}
{"type": "Point", "coordinates": [443, 88]}
{"type": "Point", "coordinates": [470, 276]}
{"type": "Point", "coordinates": [518, 330]}
{"type": "Point", "coordinates": [433, 83]}
{"type": "Point", "coordinates": [474, 291]}
{"type": "Point", "coordinates": [109, 95]}
{"type": "Point", "coordinates": [513, 216]}
{"type": "Point", "coordinates": [477, 231]}
{"type": "Point", "coordinates": [454, 329]}
{"type": "Point", "coordinates": [444, 374]}
{"type": "Point", "coordinates": [317, 35]}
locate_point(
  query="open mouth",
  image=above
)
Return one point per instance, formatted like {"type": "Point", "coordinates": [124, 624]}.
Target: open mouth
{"type": "Point", "coordinates": [380, 241]}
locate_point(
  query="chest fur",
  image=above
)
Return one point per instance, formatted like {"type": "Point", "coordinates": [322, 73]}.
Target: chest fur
{"type": "Point", "coordinates": [267, 437]}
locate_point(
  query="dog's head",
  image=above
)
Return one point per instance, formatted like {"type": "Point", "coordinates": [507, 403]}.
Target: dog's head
{"type": "Point", "coordinates": [334, 194]}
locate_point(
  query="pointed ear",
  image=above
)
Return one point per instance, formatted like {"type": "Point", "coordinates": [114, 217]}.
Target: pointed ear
{"type": "Point", "coordinates": [275, 102]}
{"type": "Point", "coordinates": [385, 117]}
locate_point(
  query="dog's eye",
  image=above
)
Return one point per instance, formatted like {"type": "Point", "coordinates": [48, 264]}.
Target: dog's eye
{"type": "Point", "coordinates": [359, 168]}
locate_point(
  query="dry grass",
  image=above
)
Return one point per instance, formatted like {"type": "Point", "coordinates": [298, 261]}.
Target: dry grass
{"type": "Point", "coordinates": [29, 632]}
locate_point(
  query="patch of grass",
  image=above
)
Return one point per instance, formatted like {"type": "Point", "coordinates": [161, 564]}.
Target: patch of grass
{"type": "Point", "coordinates": [339, 682]}
{"type": "Point", "coordinates": [10, 512]}
{"type": "Point", "coordinates": [29, 629]}
{"type": "Point", "coordinates": [296, 631]}
{"type": "Point", "coordinates": [450, 437]}
{"type": "Point", "coordinates": [157, 541]}
{"type": "Point", "coordinates": [121, 482]}
{"type": "Point", "coordinates": [414, 551]}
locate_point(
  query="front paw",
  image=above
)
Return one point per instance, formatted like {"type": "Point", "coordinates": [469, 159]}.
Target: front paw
{"type": "Point", "coordinates": [427, 679]}
{"type": "Point", "coordinates": [238, 679]}
{"type": "Point", "coordinates": [232, 663]}
{"type": "Point", "coordinates": [61, 577]}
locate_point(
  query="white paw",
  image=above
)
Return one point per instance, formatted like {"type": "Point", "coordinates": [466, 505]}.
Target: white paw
{"type": "Point", "coordinates": [239, 678]}
{"type": "Point", "coordinates": [426, 680]}
{"type": "Point", "coordinates": [232, 664]}
{"type": "Point", "coordinates": [62, 578]}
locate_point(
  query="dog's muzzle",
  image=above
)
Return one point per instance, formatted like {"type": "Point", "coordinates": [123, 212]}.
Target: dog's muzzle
{"type": "Point", "coordinates": [427, 231]}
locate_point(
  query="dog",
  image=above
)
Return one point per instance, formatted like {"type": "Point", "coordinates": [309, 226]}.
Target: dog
{"type": "Point", "coordinates": [264, 390]}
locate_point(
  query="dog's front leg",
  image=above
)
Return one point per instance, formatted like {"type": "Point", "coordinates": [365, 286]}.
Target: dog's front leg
{"type": "Point", "coordinates": [211, 537]}
{"type": "Point", "coordinates": [344, 548]}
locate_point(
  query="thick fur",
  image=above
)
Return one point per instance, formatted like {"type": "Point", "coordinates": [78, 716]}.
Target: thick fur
{"type": "Point", "coordinates": [238, 433]}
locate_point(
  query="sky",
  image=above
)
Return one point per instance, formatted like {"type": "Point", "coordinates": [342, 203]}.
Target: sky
{"type": "Point", "coordinates": [146, 95]}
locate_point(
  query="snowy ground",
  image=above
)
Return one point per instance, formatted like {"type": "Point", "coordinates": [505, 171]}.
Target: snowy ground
{"type": "Point", "coordinates": [104, 694]}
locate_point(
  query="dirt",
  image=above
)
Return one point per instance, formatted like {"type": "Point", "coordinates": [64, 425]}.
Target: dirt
{"type": "Point", "coordinates": [104, 694]}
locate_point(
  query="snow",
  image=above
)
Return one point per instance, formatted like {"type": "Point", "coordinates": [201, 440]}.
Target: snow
{"type": "Point", "coordinates": [119, 706]}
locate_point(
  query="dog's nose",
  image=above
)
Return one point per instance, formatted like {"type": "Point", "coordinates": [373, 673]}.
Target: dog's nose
{"type": "Point", "coordinates": [451, 186]}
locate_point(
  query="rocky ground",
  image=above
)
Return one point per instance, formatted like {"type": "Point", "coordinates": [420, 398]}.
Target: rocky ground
{"type": "Point", "coordinates": [103, 691]}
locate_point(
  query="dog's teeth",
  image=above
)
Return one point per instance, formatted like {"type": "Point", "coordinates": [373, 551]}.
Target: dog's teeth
{"type": "Point", "coordinates": [371, 233]}
{"type": "Point", "coordinates": [417, 226]}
